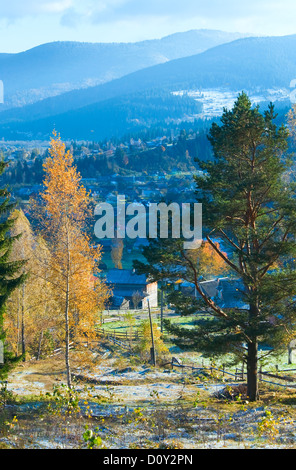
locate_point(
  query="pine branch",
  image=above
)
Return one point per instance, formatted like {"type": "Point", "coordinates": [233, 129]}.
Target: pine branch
{"type": "Point", "coordinates": [232, 265]}
{"type": "Point", "coordinates": [208, 301]}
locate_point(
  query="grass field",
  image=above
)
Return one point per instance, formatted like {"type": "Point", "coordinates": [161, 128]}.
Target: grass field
{"type": "Point", "coordinates": [122, 324]}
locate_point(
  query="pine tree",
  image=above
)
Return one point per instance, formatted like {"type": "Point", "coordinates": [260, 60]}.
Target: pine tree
{"type": "Point", "coordinates": [10, 277]}
{"type": "Point", "coordinates": [249, 206]}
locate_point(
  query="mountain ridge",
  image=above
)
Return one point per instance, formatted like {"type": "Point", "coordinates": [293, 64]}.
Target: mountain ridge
{"type": "Point", "coordinates": [208, 69]}
{"type": "Point", "coordinates": [57, 67]}
{"type": "Point", "coordinates": [256, 63]}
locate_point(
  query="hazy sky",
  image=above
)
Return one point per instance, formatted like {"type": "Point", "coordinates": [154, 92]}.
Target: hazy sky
{"type": "Point", "coordinates": [28, 23]}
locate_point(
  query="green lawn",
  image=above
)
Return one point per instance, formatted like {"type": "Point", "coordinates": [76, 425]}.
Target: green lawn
{"type": "Point", "coordinates": [269, 363]}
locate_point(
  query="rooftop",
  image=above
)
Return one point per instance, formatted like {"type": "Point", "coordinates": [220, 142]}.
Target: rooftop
{"type": "Point", "coordinates": [125, 276]}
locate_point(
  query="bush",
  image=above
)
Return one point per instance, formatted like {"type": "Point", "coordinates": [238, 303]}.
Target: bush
{"type": "Point", "coordinates": [145, 343]}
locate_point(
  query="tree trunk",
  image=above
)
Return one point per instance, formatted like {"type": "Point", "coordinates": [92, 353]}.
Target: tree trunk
{"type": "Point", "coordinates": [18, 323]}
{"type": "Point", "coordinates": [252, 371]}
{"type": "Point", "coordinates": [23, 323]}
{"type": "Point", "coordinates": [39, 346]}
{"type": "Point", "coordinates": [252, 356]}
{"type": "Point", "coordinates": [67, 338]}
{"type": "Point", "coordinates": [290, 354]}
{"type": "Point", "coordinates": [67, 326]}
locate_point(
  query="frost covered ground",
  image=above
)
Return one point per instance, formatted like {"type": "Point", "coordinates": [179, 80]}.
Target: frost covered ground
{"type": "Point", "coordinates": [136, 406]}
{"type": "Point", "coordinates": [215, 100]}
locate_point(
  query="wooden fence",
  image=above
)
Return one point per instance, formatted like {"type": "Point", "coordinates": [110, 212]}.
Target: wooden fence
{"type": "Point", "coordinates": [120, 335]}
{"type": "Point", "coordinates": [240, 375]}
{"type": "Point", "coordinates": [125, 339]}
{"type": "Point", "coordinates": [122, 339]}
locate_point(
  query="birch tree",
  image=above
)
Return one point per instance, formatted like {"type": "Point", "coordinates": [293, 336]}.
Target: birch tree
{"type": "Point", "coordinates": [63, 213]}
{"type": "Point", "coordinates": [30, 307]}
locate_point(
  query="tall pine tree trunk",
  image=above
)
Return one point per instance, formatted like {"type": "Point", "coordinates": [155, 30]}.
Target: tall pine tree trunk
{"type": "Point", "coordinates": [252, 356]}
{"type": "Point", "coordinates": [252, 371]}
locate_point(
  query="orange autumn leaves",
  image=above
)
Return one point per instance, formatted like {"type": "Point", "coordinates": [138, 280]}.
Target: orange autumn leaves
{"type": "Point", "coordinates": [207, 260]}
{"type": "Point", "coordinates": [73, 263]}
{"type": "Point", "coordinates": [64, 196]}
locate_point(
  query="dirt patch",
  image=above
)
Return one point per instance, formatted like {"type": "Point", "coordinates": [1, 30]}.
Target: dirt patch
{"type": "Point", "coordinates": [93, 381]}
{"type": "Point", "coordinates": [232, 392]}
{"type": "Point", "coordinates": [36, 376]}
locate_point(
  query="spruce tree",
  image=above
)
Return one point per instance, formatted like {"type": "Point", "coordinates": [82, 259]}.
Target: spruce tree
{"type": "Point", "coordinates": [249, 206]}
{"type": "Point", "coordinates": [10, 278]}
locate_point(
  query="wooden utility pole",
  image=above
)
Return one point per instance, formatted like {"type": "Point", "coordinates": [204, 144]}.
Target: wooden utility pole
{"type": "Point", "coordinates": [161, 309]}
{"type": "Point", "coordinates": [153, 355]}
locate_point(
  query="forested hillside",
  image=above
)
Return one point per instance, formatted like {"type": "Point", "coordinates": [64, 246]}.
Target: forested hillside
{"type": "Point", "coordinates": [54, 68]}
{"type": "Point", "coordinates": [250, 63]}
{"type": "Point", "coordinates": [110, 118]}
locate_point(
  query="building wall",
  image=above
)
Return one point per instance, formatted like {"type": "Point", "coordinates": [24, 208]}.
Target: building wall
{"type": "Point", "coordinates": [127, 291]}
{"type": "Point", "coordinates": [151, 290]}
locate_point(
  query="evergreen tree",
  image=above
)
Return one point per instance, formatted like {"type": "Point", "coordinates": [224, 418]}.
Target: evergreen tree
{"type": "Point", "coordinates": [250, 208]}
{"type": "Point", "coordinates": [10, 278]}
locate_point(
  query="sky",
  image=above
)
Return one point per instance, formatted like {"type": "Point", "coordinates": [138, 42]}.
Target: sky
{"type": "Point", "coordinates": [28, 23]}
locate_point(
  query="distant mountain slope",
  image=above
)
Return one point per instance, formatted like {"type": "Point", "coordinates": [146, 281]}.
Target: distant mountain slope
{"type": "Point", "coordinates": [54, 68]}
{"type": "Point", "coordinates": [242, 64]}
{"type": "Point", "coordinates": [245, 64]}
{"type": "Point", "coordinates": [109, 118]}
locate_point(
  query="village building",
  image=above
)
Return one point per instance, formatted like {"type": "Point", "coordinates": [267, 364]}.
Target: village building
{"type": "Point", "coordinates": [127, 286]}
{"type": "Point", "coordinates": [225, 292]}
